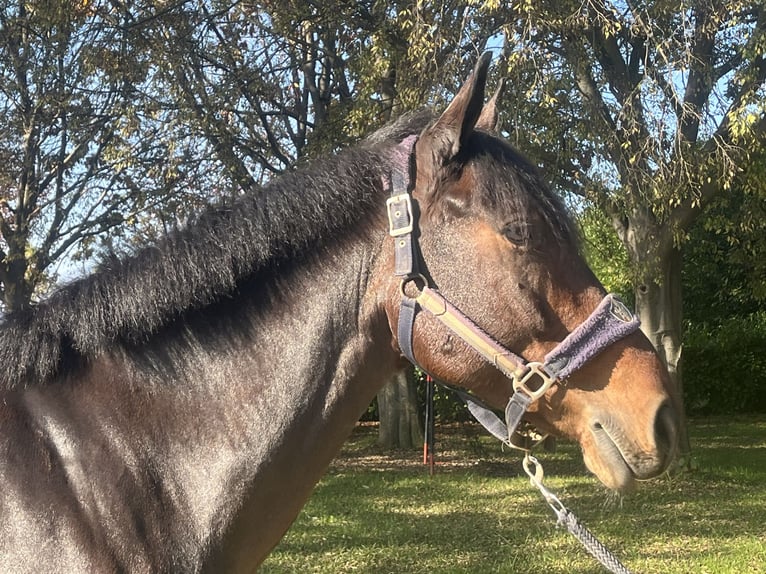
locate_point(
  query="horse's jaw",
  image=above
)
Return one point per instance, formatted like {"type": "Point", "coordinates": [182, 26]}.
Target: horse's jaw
{"type": "Point", "coordinates": [620, 457]}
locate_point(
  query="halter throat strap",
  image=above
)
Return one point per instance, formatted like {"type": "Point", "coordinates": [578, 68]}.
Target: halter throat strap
{"type": "Point", "coordinates": [608, 323]}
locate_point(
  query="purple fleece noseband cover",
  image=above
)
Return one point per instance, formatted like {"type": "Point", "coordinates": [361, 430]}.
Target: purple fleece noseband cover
{"type": "Point", "coordinates": [609, 322]}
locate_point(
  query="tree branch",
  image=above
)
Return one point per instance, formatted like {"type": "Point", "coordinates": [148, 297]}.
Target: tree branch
{"type": "Point", "coordinates": [699, 83]}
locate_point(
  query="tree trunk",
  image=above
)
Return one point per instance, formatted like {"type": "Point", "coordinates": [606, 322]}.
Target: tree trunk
{"type": "Point", "coordinates": [398, 411]}
{"type": "Point", "coordinates": [16, 288]}
{"type": "Point", "coordinates": [659, 306]}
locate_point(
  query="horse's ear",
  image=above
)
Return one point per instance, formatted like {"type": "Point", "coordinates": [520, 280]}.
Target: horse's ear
{"type": "Point", "coordinates": [455, 125]}
{"type": "Point", "coordinates": [488, 120]}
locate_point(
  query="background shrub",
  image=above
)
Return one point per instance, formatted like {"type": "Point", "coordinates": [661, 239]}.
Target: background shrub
{"type": "Point", "coordinates": [724, 366]}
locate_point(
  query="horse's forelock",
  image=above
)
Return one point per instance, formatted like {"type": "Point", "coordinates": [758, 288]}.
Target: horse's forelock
{"type": "Point", "coordinates": [513, 188]}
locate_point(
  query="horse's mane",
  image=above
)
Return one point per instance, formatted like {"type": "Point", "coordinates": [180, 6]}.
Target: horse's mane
{"type": "Point", "coordinates": [129, 299]}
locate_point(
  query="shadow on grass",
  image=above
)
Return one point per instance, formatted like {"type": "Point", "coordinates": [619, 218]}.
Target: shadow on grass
{"type": "Point", "coordinates": [370, 522]}
{"type": "Point", "coordinates": [481, 515]}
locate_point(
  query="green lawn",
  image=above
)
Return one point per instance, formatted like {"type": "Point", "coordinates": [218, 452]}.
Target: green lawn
{"type": "Point", "coordinates": [380, 512]}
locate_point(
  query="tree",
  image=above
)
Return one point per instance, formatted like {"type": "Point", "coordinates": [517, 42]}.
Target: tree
{"type": "Point", "coordinates": [648, 110]}
{"type": "Point", "coordinates": [399, 413]}
{"type": "Point", "coordinates": [105, 136]}
{"type": "Point", "coordinates": [81, 152]}
{"type": "Point", "coordinates": [725, 270]}
{"type": "Point", "coordinates": [604, 252]}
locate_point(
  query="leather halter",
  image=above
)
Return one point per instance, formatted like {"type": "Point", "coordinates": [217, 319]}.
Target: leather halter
{"type": "Point", "coordinates": [608, 323]}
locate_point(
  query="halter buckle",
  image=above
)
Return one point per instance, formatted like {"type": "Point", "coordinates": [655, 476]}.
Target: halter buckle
{"type": "Point", "coordinates": [400, 219]}
{"type": "Point", "coordinates": [523, 376]}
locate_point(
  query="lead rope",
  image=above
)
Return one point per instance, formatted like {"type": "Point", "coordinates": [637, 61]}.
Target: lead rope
{"type": "Point", "coordinates": [565, 517]}
{"type": "Point", "coordinates": [524, 441]}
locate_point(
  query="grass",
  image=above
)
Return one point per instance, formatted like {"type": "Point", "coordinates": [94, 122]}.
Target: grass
{"type": "Point", "coordinates": [381, 512]}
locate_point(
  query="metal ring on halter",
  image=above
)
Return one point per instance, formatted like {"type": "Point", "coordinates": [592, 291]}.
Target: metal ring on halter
{"type": "Point", "coordinates": [417, 279]}
{"type": "Point", "coordinates": [524, 374]}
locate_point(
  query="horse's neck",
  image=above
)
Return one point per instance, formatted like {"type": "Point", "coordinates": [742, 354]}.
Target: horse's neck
{"type": "Point", "coordinates": [234, 446]}
{"type": "Point", "coordinates": [321, 360]}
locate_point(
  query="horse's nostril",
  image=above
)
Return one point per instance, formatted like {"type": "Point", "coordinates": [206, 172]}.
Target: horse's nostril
{"type": "Point", "coordinates": [665, 429]}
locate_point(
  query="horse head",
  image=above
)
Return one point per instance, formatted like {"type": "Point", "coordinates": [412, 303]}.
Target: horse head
{"type": "Point", "coordinates": [494, 239]}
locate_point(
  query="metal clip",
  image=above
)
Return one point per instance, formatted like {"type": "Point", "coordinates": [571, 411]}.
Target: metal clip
{"type": "Point", "coordinates": [520, 380]}
{"type": "Point", "coordinates": [536, 478]}
{"type": "Point", "coordinates": [395, 205]}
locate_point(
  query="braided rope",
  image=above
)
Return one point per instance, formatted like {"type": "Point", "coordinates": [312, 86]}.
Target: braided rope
{"type": "Point", "coordinates": [534, 470]}
{"type": "Point", "coordinates": [594, 547]}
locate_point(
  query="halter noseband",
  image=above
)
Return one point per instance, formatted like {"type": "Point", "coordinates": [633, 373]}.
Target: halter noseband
{"type": "Point", "coordinates": [608, 323]}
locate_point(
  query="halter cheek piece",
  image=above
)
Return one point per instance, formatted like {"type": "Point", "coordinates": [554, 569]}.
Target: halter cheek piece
{"type": "Point", "coordinates": [609, 322]}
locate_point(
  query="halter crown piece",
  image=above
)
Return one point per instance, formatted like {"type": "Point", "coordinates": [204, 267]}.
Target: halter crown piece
{"type": "Point", "coordinates": [608, 323]}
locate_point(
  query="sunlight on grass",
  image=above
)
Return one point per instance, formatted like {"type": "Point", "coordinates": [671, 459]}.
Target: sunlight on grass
{"type": "Point", "coordinates": [381, 512]}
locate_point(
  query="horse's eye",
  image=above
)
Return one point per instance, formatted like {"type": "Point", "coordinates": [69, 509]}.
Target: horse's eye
{"type": "Point", "coordinates": [516, 232]}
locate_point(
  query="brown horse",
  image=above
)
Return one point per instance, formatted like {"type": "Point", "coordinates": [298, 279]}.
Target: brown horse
{"type": "Point", "coordinates": [173, 411]}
